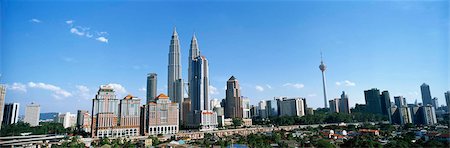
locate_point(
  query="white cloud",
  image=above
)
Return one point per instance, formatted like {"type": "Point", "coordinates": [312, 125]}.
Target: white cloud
{"type": "Point", "coordinates": [89, 35]}
{"type": "Point", "coordinates": [294, 85]}
{"type": "Point", "coordinates": [76, 31]}
{"type": "Point", "coordinates": [57, 91]}
{"type": "Point", "coordinates": [259, 88]}
{"type": "Point", "coordinates": [101, 36]}
{"type": "Point", "coordinates": [17, 87]}
{"type": "Point", "coordinates": [119, 89]}
{"type": "Point", "coordinates": [268, 86]}
{"type": "Point", "coordinates": [102, 39]}
{"type": "Point", "coordinates": [35, 20]}
{"type": "Point", "coordinates": [346, 83]}
{"type": "Point", "coordinates": [70, 22]}
{"type": "Point", "coordinates": [143, 89]}
{"type": "Point", "coordinates": [213, 90]}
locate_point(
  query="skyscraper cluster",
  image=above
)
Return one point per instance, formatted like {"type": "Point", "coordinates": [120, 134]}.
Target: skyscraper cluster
{"type": "Point", "coordinates": [193, 110]}
{"type": "Point", "coordinates": [340, 105]}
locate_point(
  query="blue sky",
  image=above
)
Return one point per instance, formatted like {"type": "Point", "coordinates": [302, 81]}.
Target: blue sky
{"type": "Point", "coordinates": [58, 53]}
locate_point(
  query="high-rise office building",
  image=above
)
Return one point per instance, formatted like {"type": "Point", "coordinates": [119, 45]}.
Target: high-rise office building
{"type": "Point", "coordinates": [272, 108]}
{"type": "Point", "coordinates": [194, 52]}
{"type": "Point", "coordinates": [401, 115]}
{"type": "Point", "coordinates": [186, 112]}
{"type": "Point", "coordinates": [292, 107]}
{"type": "Point", "coordinates": [105, 113]}
{"type": "Point", "coordinates": [83, 121]}
{"type": "Point", "coordinates": [343, 104]}
{"type": "Point", "coordinates": [233, 108]}
{"type": "Point", "coordinates": [262, 109]}
{"type": "Point", "coordinates": [428, 115]}
{"type": "Point", "coordinates": [426, 94]}
{"type": "Point", "coordinates": [129, 115]}
{"type": "Point", "coordinates": [32, 114]}
{"type": "Point", "coordinates": [174, 80]}
{"type": "Point", "coordinates": [67, 119]}
{"type": "Point", "coordinates": [385, 103]}
{"type": "Point", "coordinates": [376, 103]}
{"type": "Point", "coordinates": [400, 101]}
{"type": "Point", "coordinates": [11, 113]}
{"type": "Point", "coordinates": [199, 84]}
{"type": "Point", "coordinates": [322, 68]}
{"type": "Point", "coordinates": [2, 102]}
{"type": "Point", "coordinates": [112, 117]}
{"type": "Point", "coordinates": [151, 87]}
{"type": "Point", "coordinates": [334, 105]}
{"type": "Point", "coordinates": [447, 100]}
{"type": "Point", "coordinates": [373, 101]}
{"type": "Point", "coordinates": [435, 103]}
{"type": "Point", "coordinates": [163, 116]}
{"type": "Point", "coordinates": [246, 108]}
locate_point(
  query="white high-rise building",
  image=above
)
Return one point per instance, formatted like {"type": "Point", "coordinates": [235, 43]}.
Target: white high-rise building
{"type": "Point", "coordinates": [246, 108]}
{"type": "Point", "coordinates": [67, 119]}
{"type": "Point", "coordinates": [262, 109]}
{"type": "Point", "coordinates": [32, 113]}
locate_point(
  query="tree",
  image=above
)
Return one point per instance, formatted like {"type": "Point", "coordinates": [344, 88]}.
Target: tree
{"type": "Point", "coordinates": [237, 122]}
{"type": "Point", "coordinates": [155, 140]}
{"type": "Point", "coordinates": [324, 144]}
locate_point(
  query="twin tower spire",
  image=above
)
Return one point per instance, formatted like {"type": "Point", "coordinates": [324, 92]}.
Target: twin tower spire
{"type": "Point", "coordinates": [174, 69]}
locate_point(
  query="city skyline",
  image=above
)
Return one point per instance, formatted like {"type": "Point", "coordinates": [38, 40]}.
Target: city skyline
{"type": "Point", "coordinates": [67, 66]}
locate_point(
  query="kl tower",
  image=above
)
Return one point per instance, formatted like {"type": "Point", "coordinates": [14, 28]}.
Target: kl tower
{"type": "Point", "coordinates": [322, 68]}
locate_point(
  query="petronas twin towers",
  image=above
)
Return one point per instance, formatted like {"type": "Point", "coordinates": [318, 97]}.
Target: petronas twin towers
{"type": "Point", "coordinates": [197, 77]}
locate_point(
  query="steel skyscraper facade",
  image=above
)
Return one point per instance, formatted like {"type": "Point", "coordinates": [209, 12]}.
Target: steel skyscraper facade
{"type": "Point", "coordinates": [175, 90]}
{"type": "Point", "coordinates": [151, 87]}
{"type": "Point", "coordinates": [426, 94]}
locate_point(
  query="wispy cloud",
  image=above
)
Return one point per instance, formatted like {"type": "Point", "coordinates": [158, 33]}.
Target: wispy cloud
{"type": "Point", "coordinates": [213, 90]}
{"type": "Point", "coordinates": [17, 87]}
{"type": "Point", "coordinates": [58, 93]}
{"type": "Point", "coordinates": [101, 36]}
{"type": "Point", "coordinates": [259, 88]}
{"type": "Point", "coordinates": [143, 89]}
{"type": "Point", "coordinates": [77, 31]}
{"type": "Point", "coordinates": [268, 86]}
{"type": "Point", "coordinates": [34, 20]}
{"type": "Point", "coordinates": [294, 85]}
{"type": "Point", "coordinates": [83, 92]}
{"type": "Point", "coordinates": [345, 83]}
